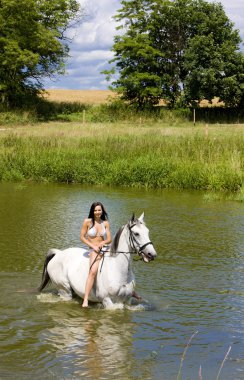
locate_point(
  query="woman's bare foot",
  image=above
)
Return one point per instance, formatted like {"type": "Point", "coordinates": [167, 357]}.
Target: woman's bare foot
{"type": "Point", "coordinates": [85, 304]}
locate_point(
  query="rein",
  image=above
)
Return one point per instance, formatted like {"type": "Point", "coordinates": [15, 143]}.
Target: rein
{"type": "Point", "coordinates": [132, 241]}
{"type": "Point", "coordinates": [102, 252]}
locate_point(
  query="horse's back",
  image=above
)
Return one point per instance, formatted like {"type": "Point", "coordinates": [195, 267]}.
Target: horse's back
{"type": "Point", "coordinates": [76, 251]}
{"type": "Point", "coordinates": [66, 261]}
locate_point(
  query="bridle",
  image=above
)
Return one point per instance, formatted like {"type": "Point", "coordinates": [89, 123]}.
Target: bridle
{"type": "Point", "coordinates": [132, 241]}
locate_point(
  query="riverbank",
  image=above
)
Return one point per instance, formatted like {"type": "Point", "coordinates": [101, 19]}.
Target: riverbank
{"type": "Point", "coordinates": [122, 154]}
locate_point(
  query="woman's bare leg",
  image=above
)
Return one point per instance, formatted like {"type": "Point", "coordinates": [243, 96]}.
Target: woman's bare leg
{"type": "Point", "coordinates": [94, 262]}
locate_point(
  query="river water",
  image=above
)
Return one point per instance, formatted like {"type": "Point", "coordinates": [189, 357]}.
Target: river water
{"type": "Point", "coordinates": [194, 289]}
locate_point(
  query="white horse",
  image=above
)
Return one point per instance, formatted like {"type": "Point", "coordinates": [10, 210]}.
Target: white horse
{"type": "Point", "coordinates": [115, 282]}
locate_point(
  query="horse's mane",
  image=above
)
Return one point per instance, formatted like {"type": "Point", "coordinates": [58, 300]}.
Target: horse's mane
{"type": "Point", "coordinates": [115, 241]}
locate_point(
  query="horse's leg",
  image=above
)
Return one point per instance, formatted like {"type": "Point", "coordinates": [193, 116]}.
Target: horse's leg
{"type": "Point", "coordinates": [64, 289]}
{"type": "Point", "coordinates": [107, 302]}
{"type": "Point", "coordinates": [65, 293]}
{"type": "Point", "coordinates": [126, 291]}
{"type": "Point", "coordinates": [136, 296]}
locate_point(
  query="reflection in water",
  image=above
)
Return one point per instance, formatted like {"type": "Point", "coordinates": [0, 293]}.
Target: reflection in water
{"type": "Point", "coordinates": [95, 345]}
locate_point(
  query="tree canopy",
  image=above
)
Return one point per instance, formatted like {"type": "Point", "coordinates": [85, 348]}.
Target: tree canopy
{"type": "Point", "coordinates": [179, 51]}
{"type": "Point", "coordinates": [32, 43]}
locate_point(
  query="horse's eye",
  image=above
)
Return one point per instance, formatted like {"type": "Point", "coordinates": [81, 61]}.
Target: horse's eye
{"type": "Point", "coordinates": [136, 234]}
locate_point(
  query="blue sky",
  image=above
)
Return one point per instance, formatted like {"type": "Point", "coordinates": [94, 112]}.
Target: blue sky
{"type": "Point", "coordinates": [90, 49]}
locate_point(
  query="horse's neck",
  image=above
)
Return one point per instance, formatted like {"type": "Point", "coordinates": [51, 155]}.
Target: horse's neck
{"type": "Point", "coordinates": [123, 257]}
{"type": "Point", "coordinates": [123, 245]}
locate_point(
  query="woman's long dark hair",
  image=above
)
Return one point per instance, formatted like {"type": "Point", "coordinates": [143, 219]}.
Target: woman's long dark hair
{"type": "Point", "coordinates": [104, 215]}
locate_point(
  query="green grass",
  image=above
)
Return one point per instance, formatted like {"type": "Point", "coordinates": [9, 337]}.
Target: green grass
{"type": "Point", "coordinates": [150, 156]}
{"type": "Point", "coordinates": [43, 110]}
{"type": "Point", "coordinates": [29, 110]}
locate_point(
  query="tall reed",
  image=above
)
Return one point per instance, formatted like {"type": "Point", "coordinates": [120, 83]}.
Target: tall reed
{"type": "Point", "coordinates": [143, 160]}
{"type": "Point", "coordinates": [184, 354]}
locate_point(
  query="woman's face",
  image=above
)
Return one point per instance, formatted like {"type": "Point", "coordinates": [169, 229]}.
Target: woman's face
{"type": "Point", "coordinates": [98, 212]}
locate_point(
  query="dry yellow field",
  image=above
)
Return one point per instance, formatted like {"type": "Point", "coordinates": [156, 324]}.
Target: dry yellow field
{"type": "Point", "coordinates": [81, 96]}
{"type": "Point", "coordinates": [204, 103]}
{"type": "Point", "coordinates": [100, 97]}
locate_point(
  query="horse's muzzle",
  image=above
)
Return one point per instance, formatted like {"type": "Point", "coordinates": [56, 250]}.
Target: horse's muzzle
{"type": "Point", "coordinates": [147, 257]}
{"type": "Point", "coordinates": [150, 256]}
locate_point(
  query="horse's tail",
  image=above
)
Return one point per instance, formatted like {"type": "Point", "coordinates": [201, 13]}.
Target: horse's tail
{"type": "Point", "coordinates": [45, 276]}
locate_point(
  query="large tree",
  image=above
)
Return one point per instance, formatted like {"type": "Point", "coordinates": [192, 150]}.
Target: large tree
{"type": "Point", "coordinates": [32, 43]}
{"type": "Point", "coordinates": [181, 49]}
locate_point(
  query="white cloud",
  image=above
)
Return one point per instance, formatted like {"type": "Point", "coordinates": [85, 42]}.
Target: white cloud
{"type": "Point", "coordinates": [90, 49]}
{"type": "Point", "coordinates": [94, 55]}
{"type": "Point", "coordinates": [234, 9]}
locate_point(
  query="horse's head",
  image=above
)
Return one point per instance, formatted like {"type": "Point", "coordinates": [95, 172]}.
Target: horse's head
{"type": "Point", "coordinates": [139, 238]}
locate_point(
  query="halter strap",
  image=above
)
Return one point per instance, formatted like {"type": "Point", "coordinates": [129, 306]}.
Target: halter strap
{"type": "Point", "coordinates": [133, 240]}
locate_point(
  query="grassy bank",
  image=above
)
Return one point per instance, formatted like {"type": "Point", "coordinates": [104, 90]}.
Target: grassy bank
{"type": "Point", "coordinates": [142, 155]}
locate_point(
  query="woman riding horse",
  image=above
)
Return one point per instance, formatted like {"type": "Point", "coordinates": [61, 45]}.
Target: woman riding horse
{"type": "Point", "coordinates": [69, 269]}
{"type": "Point", "coordinates": [95, 233]}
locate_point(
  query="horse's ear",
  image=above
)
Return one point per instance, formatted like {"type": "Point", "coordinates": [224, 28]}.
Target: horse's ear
{"type": "Point", "coordinates": [141, 219]}
{"type": "Point", "coordinates": [132, 218]}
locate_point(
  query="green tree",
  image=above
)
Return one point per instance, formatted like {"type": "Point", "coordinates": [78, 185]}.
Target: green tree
{"type": "Point", "coordinates": [32, 43]}
{"type": "Point", "coordinates": [176, 50]}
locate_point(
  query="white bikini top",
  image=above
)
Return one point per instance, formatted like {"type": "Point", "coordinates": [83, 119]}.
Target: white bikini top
{"type": "Point", "coordinates": [92, 232]}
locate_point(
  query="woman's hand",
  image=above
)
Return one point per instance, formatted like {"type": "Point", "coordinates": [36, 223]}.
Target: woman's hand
{"type": "Point", "coordinates": [96, 248]}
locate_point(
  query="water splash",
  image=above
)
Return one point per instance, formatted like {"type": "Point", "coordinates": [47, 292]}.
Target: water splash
{"type": "Point", "coordinates": [49, 298]}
